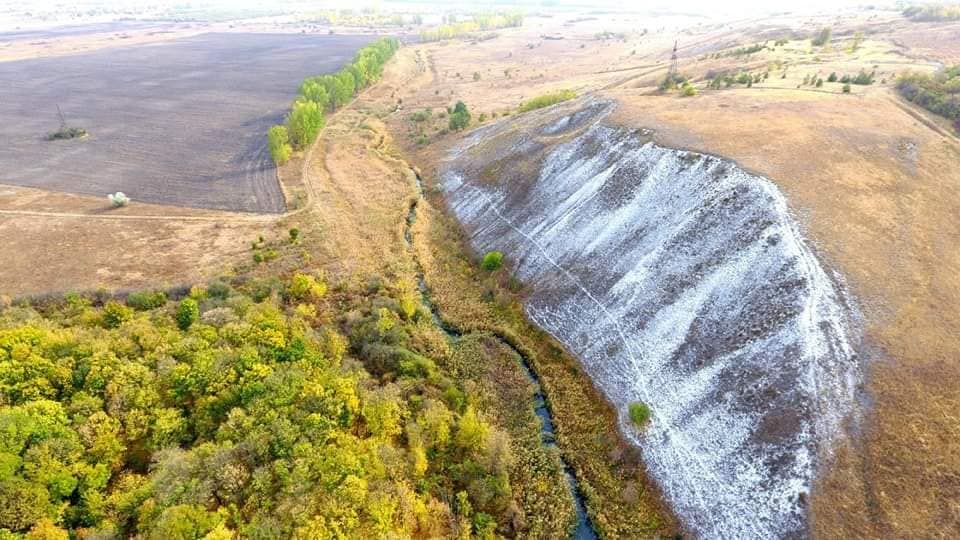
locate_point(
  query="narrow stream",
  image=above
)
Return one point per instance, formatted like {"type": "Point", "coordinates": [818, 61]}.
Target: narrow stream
{"type": "Point", "coordinates": [584, 529]}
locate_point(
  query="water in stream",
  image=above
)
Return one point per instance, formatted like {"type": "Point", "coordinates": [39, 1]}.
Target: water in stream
{"type": "Point", "coordinates": [584, 529]}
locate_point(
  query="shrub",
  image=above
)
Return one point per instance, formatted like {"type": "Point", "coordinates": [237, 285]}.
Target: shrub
{"type": "Point", "coordinates": [639, 413]}
{"type": "Point", "coordinates": [688, 90]}
{"type": "Point", "coordinates": [476, 76]}
{"type": "Point", "coordinates": [118, 199]}
{"type": "Point", "coordinates": [863, 78]}
{"type": "Point", "coordinates": [832, 77]}
{"type": "Point", "coordinates": [819, 83]}
{"type": "Point", "coordinates": [294, 234]}
{"type": "Point", "coordinates": [422, 116]}
{"type": "Point", "coordinates": [278, 141]}
{"type": "Point", "coordinates": [459, 117]}
{"type": "Point", "coordinates": [146, 300]}
{"type": "Point", "coordinates": [115, 313]}
{"type": "Point", "coordinates": [66, 132]}
{"type": "Point", "coordinates": [846, 88]}
{"type": "Point", "coordinates": [546, 100]}
{"type": "Point", "coordinates": [187, 313]}
{"type": "Point", "coordinates": [306, 287]}
{"type": "Point", "coordinates": [218, 289]}
{"type": "Point", "coordinates": [492, 261]}
{"type": "Point", "coordinates": [822, 38]}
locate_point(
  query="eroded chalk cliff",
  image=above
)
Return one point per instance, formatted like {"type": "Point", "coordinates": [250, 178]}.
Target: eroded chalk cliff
{"type": "Point", "coordinates": [681, 281]}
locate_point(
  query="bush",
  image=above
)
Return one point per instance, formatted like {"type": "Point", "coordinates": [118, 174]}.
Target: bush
{"type": "Point", "coordinates": [822, 38]}
{"type": "Point", "coordinates": [863, 78]}
{"type": "Point", "coordinates": [546, 100]}
{"type": "Point", "coordinates": [278, 141]}
{"type": "Point", "coordinates": [639, 413]}
{"type": "Point", "coordinates": [115, 313]}
{"type": "Point", "coordinates": [846, 88]}
{"type": "Point", "coordinates": [218, 289]}
{"type": "Point", "coordinates": [187, 313]}
{"type": "Point", "coordinates": [459, 117]}
{"type": "Point", "coordinates": [306, 287]}
{"type": "Point", "coordinates": [66, 133]}
{"type": "Point", "coordinates": [422, 116]}
{"type": "Point", "coordinates": [146, 300]}
{"type": "Point", "coordinates": [492, 261]}
{"type": "Point", "coordinates": [118, 199]}
{"type": "Point", "coordinates": [688, 90]}
{"type": "Point", "coordinates": [832, 77]}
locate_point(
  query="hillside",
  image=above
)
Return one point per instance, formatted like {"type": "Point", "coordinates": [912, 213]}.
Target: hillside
{"type": "Point", "coordinates": [531, 281]}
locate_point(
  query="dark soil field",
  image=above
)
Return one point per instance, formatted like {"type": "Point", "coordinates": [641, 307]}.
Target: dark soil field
{"type": "Point", "coordinates": [181, 123]}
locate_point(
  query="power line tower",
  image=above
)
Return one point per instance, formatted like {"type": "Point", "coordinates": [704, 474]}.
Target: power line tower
{"type": "Point", "coordinates": [673, 62]}
{"type": "Point", "coordinates": [63, 120]}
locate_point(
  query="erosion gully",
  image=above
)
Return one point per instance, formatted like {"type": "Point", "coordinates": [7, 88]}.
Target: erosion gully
{"type": "Point", "coordinates": [584, 529]}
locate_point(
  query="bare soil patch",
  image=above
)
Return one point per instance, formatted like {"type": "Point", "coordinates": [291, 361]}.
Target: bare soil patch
{"type": "Point", "coordinates": [179, 123]}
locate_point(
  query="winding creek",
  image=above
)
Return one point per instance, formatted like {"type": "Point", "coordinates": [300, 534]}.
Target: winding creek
{"type": "Point", "coordinates": [584, 529]}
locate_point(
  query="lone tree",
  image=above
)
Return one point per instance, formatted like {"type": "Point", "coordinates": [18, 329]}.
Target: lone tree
{"type": "Point", "coordinates": [823, 37]}
{"type": "Point", "coordinates": [459, 117]}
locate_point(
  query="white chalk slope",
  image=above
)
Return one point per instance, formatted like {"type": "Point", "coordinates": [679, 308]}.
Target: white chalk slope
{"type": "Point", "coordinates": [681, 281]}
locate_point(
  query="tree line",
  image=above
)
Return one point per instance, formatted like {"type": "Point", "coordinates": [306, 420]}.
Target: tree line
{"type": "Point", "coordinates": [322, 94]}
{"type": "Point", "coordinates": [478, 22]}
{"type": "Point", "coordinates": [938, 93]}
{"type": "Point", "coordinates": [928, 13]}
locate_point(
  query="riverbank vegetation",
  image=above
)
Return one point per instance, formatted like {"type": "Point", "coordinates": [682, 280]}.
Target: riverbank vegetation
{"type": "Point", "coordinates": [620, 500]}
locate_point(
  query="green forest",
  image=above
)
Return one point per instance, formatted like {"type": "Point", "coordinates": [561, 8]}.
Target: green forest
{"type": "Point", "coordinates": [260, 408]}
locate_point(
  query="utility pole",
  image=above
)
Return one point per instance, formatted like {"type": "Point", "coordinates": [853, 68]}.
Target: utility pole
{"type": "Point", "coordinates": [63, 121]}
{"type": "Point", "coordinates": [673, 63]}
